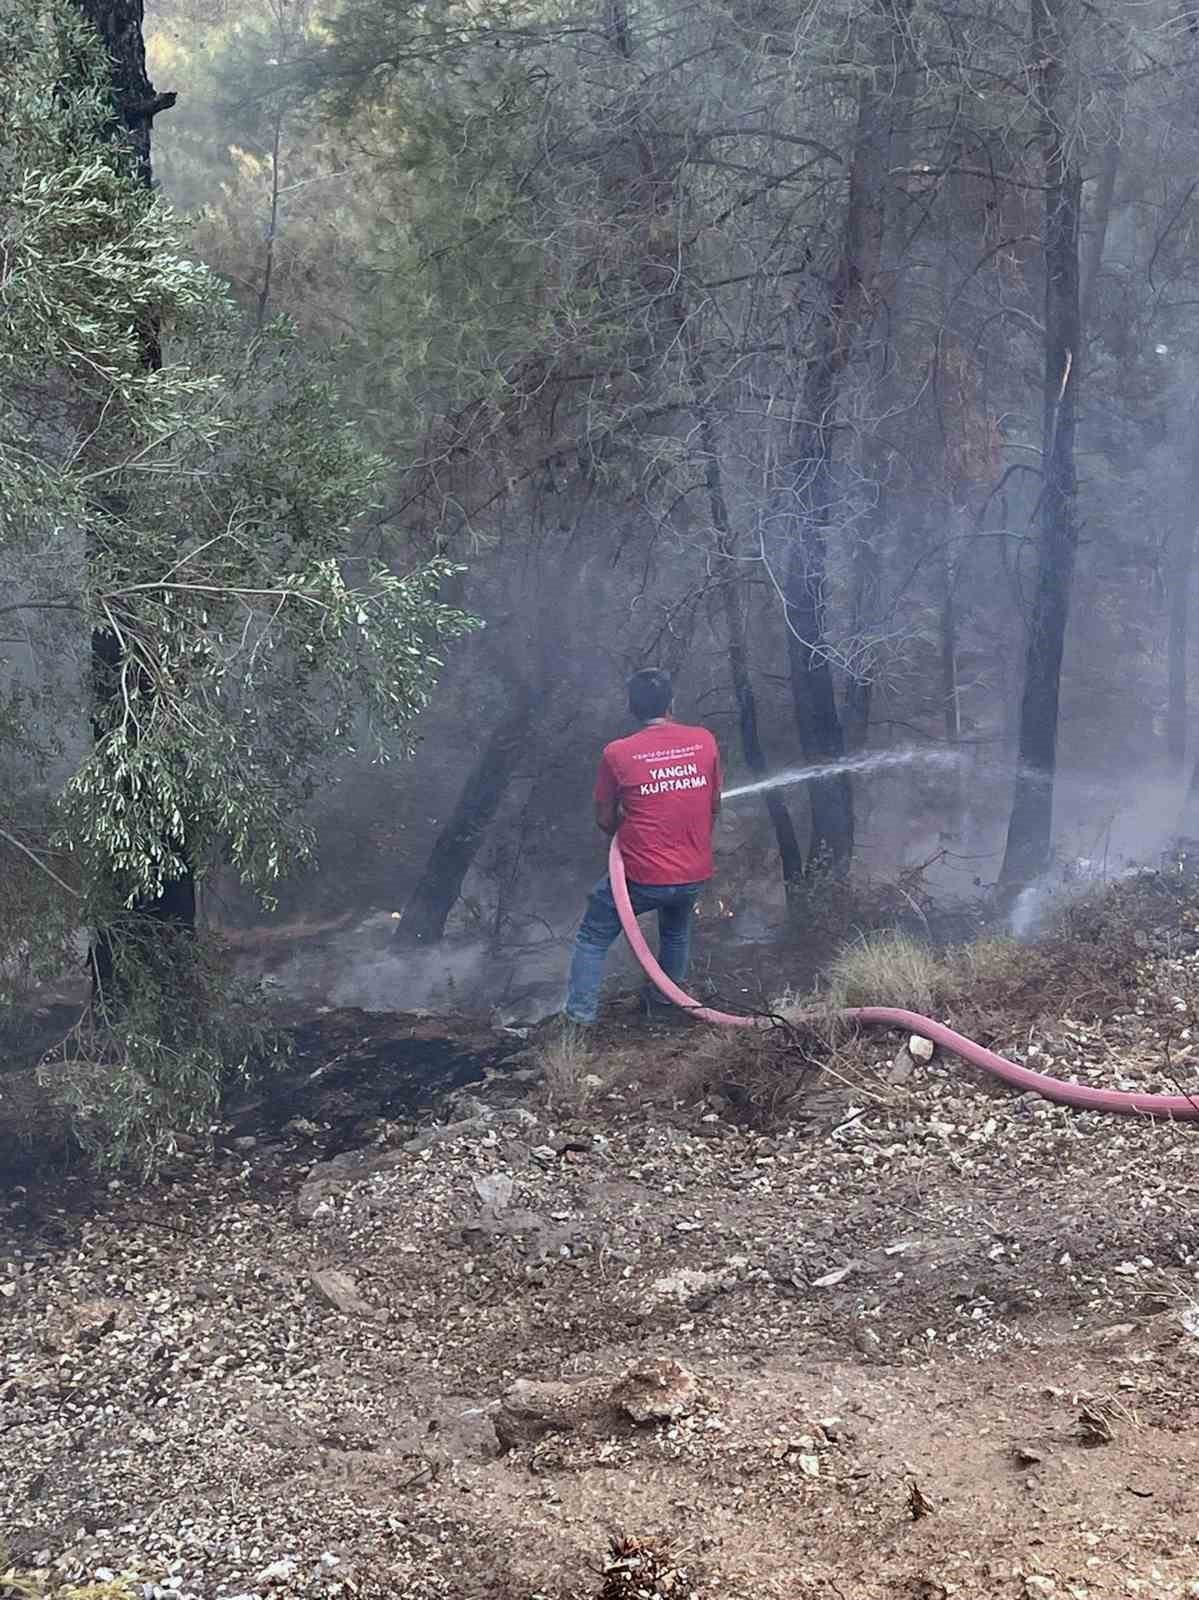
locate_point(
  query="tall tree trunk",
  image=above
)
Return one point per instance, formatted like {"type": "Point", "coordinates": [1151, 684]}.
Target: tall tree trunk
{"type": "Point", "coordinates": [880, 461]}
{"type": "Point", "coordinates": [732, 602]}
{"type": "Point", "coordinates": [458, 844]}
{"type": "Point", "coordinates": [1030, 828]}
{"type": "Point", "coordinates": [1181, 559]}
{"type": "Point", "coordinates": [1097, 230]}
{"type": "Point", "coordinates": [950, 693]}
{"type": "Point", "coordinates": [951, 698]}
{"type": "Point", "coordinates": [134, 104]}
{"type": "Point", "coordinates": [272, 230]}
{"type": "Point", "coordinates": [134, 101]}
{"type": "Point", "coordinates": [1181, 562]}
{"type": "Point", "coordinates": [807, 478]}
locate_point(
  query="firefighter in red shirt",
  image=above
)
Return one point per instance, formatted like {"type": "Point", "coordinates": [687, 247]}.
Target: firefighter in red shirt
{"type": "Point", "coordinates": [659, 790]}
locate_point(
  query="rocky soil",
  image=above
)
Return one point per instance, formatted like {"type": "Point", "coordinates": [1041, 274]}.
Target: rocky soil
{"type": "Point", "coordinates": [883, 1329]}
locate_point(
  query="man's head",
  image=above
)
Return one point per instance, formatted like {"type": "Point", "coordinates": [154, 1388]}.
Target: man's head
{"type": "Point", "coordinates": [650, 694]}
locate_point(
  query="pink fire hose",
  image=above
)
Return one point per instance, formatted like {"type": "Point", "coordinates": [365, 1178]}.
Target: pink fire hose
{"type": "Point", "coordinates": [1178, 1106]}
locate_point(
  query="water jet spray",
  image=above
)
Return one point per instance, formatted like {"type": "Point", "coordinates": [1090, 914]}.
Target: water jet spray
{"type": "Point", "coordinates": [851, 764]}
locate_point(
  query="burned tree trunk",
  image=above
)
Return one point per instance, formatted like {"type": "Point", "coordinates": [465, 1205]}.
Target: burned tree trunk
{"type": "Point", "coordinates": [733, 605]}
{"type": "Point", "coordinates": [1181, 561]}
{"type": "Point", "coordinates": [457, 845]}
{"type": "Point", "coordinates": [1031, 824]}
{"type": "Point", "coordinates": [1181, 558]}
{"type": "Point", "coordinates": [807, 479]}
{"type": "Point", "coordinates": [135, 104]}
{"type": "Point", "coordinates": [1097, 240]}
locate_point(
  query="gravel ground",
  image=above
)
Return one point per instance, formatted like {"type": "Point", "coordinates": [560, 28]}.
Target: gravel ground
{"type": "Point", "coordinates": [943, 1341]}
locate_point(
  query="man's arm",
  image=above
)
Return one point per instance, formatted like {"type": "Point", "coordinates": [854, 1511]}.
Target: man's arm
{"type": "Point", "coordinates": [607, 816]}
{"type": "Point", "coordinates": [607, 799]}
{"type": "Point", "coordinates": [717, 784]}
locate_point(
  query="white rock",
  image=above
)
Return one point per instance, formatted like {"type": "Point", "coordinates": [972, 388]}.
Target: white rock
{"type": "Point", "coordinates": [901, 1068]}
{"type": "Point", "coordinates": [920, 1049]}
{"type": "Point", "coordinates": [278, 1571]}
{"type": "Point", "coordinates": [830, 1278]}
{"type": "Point", "coordinates": [494, 1191]}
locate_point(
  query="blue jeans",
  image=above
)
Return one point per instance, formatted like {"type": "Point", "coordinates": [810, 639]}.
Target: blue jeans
{"type": "Point", "coordinates": [600, 928]}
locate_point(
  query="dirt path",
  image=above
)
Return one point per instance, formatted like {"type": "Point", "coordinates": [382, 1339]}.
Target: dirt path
{"type": "Point", "coordinates": [944, 1341]}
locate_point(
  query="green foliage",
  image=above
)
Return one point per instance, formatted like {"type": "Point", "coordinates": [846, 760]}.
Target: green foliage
{"type": "Point", "coordinates": [199, 512]}
{"type": "Point", "coordinates": [251, 645]}
{"type": "Point", "coordinates": [179, 512]}
{"type": "Point", "coordinates": [134, 1078]}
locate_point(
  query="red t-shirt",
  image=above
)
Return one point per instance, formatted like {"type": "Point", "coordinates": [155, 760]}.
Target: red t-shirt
{"type": "Point", "coordinates": [667, 779]}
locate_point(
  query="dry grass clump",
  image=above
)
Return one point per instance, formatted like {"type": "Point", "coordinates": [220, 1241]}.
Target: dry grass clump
{"type": "Point", "coordinates": [893, 969]}
{"type": "Point", "coordinates": [568, 1067]}
{"type": "Point", "coordinates": [887, 969]}
{"type": "Point", "coordinates": [1087, 962]}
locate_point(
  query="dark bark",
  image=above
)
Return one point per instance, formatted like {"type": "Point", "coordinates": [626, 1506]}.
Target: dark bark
{"type": "Point", "coordinates": [457, 845]}
{"type": "Point", "coordinates": [821, 737]}
{"type": "Point", "coordinates": [1097, 230]}
{"type": "Point", "coordinates": [790, 854]}
{"type": "Point", "coordinates": [807, 479]}
{"type": "Point", "coordinates": [950, 695]}
{"type": "Point", "coordinates": [1031, 825]}
{"type": "Point", "coordinates": [1181, 560]}
{"type": "Point", "coordinates": [733, 605]}
{"type": "Point", "coordinates": [951, 698]}
{"type": "Point", "coordinates": [272, 232]}
{"type": "Point", "coordinates": [135, 104]}
{"type": "Point", "coordinates": [1188, 822]}
{"type": "Point", "coordinates": [880, 461]}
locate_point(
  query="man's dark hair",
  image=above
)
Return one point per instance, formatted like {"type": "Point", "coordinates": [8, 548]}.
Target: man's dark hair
{"type": "Point", "coordinates": [650, 694]}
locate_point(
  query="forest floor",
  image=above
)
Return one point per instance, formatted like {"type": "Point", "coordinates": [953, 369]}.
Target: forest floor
{"type": "Point", "coordinates": [769, 1317]}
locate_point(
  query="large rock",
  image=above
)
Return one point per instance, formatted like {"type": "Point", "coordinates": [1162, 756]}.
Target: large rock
{"type": "Point", "coordinates": [339, 1290]}
{"type": "Point", "coordinates": [656, 1390]}
{"type": "Point", "coordinates": [317, 1199]}
{"type": "Point", "coordinates": [494, 1191]}
{"type": "Point", "coordinates": [530, 1410]}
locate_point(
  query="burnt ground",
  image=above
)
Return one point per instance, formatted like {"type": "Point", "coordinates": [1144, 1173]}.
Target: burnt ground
{"type": "Point", "coordinates": [945, 1340]}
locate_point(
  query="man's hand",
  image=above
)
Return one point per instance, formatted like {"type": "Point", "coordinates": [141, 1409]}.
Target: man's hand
{"type": "Point", "coordinates": [607, 816]}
